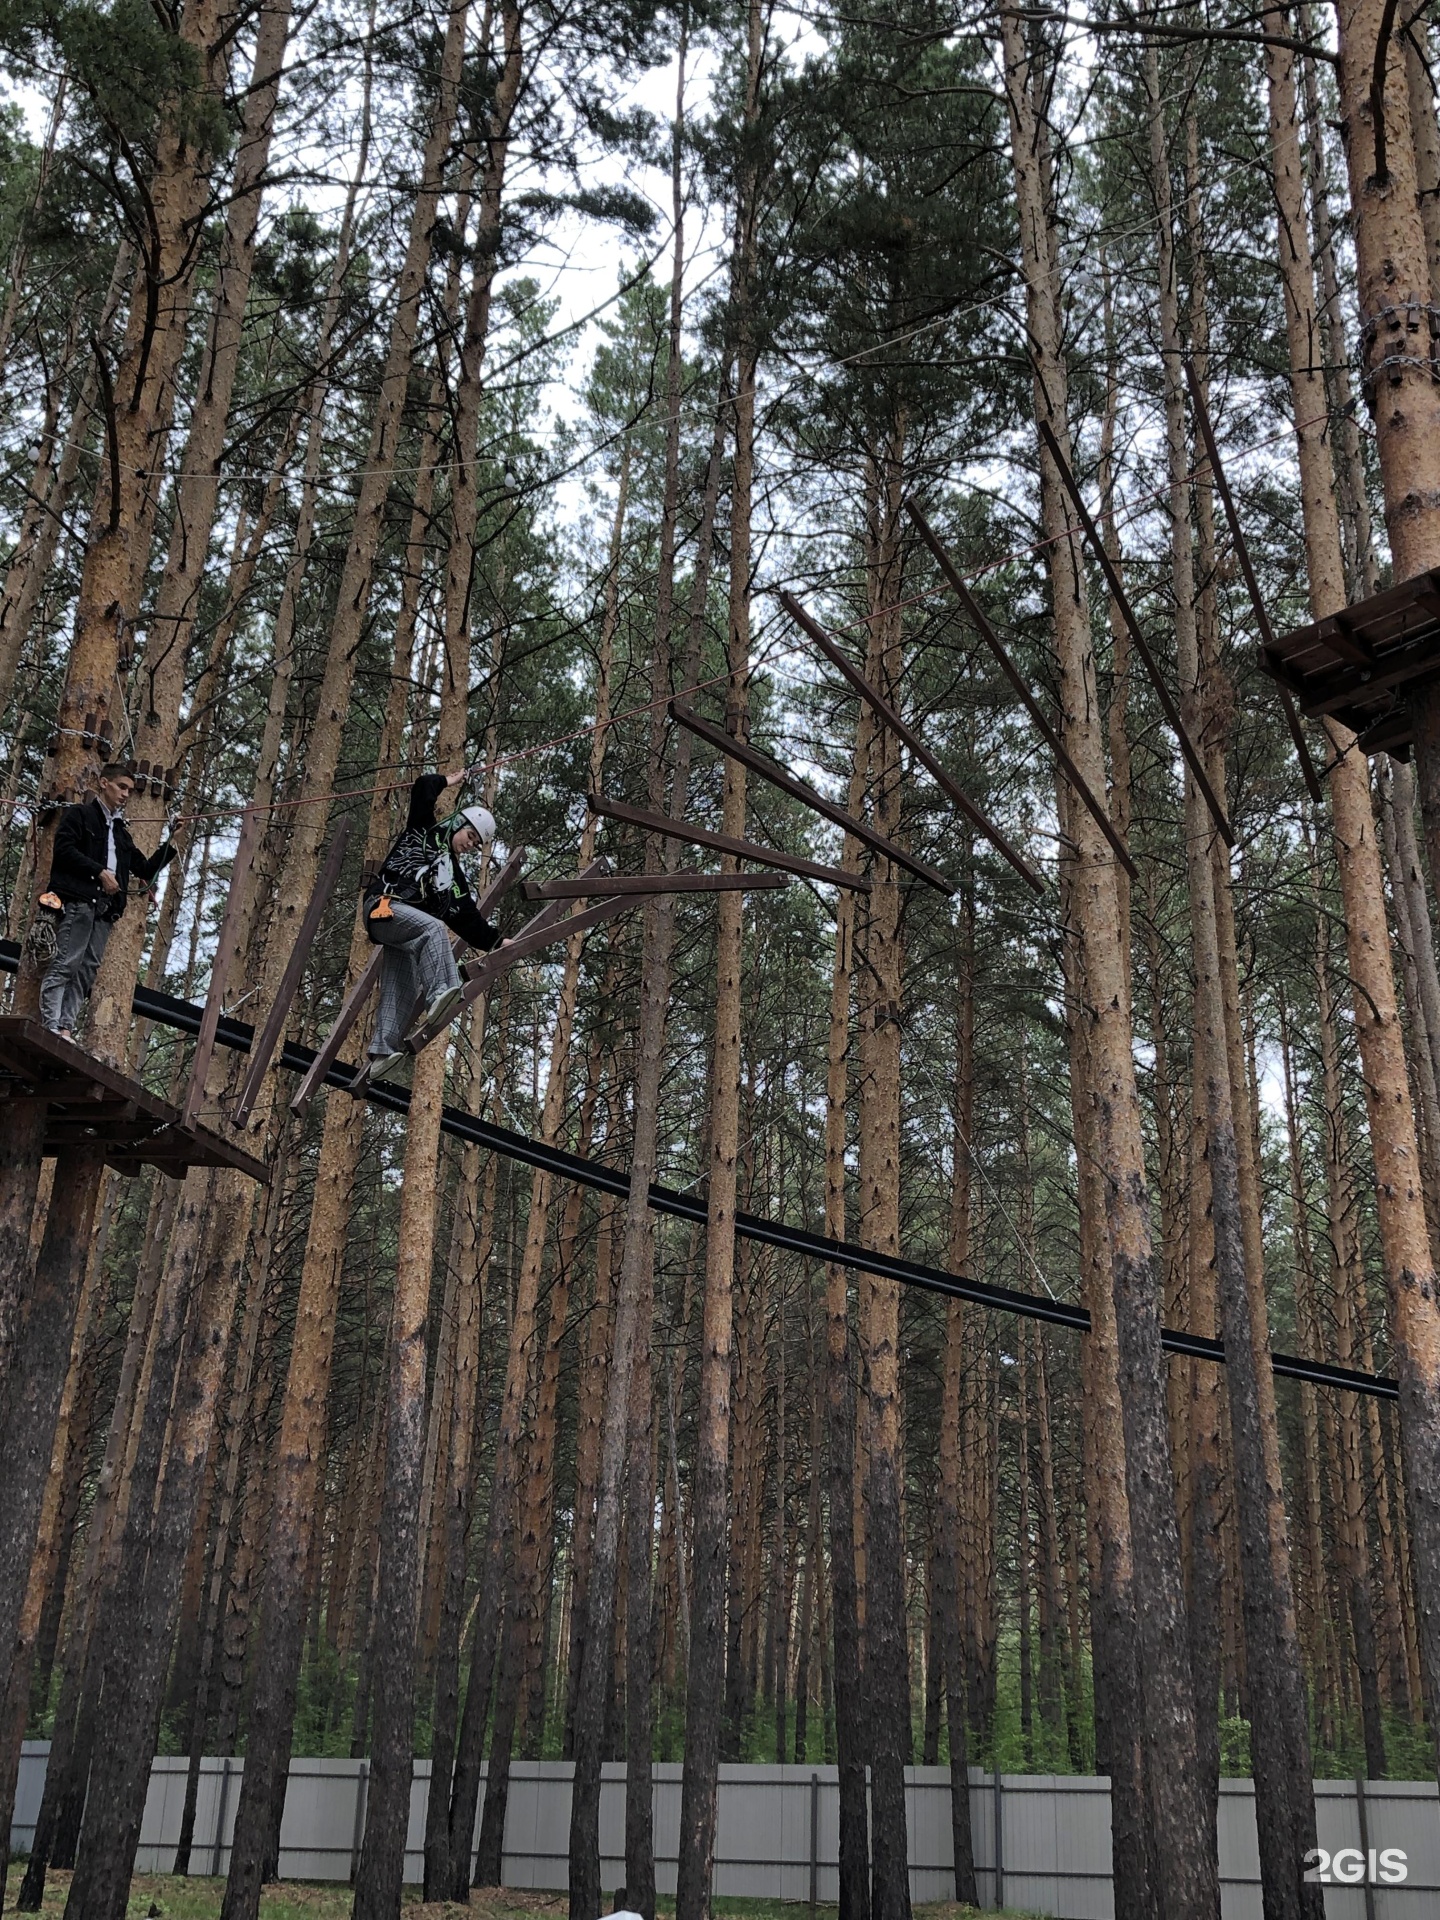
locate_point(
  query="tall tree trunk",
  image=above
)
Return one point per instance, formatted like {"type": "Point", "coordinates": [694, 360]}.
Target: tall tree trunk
{"type": "Point", "coordinates": [1318, 1631]}
{"type": "Point", "coordinates": [1184, 1838]}
{"type": "Point", "coordinates": [380, 1874]}
{"type": "Point", "coordinates": [854, 1848]}
{"type": "Point", "coordinates": [31, 1413]}
{"type": "Point", "coordinates": [710, 1499]}
{"type": "Point", "coordinates": [1024, 1602]}
{"type": "Point", "coordinates": [138, 395]}
{"type": "Point", "coordinates": [146, 1594]}
{"type": "Point", "coordinates": [1284, 1807]}
{"type": "Point", "coordinates": [523, 1364]}
{"type": "Point", "coordinates": [590, 1414]}
{"type": "Point", "coordinates": [238, 1424]}
{"type": "Point", "coordinates": [1390, 256]}
{"type": "Point", "coordinates": [1119, 1712]}
{"type": "Point", "coordinates": [301, 1440]}
{"type": "Point", "coordinates": [886, 1658]}
{"type": "Point", "coordinates": [196, 495]}
{"type": "Point", "coordinates": [951, 1647]}
{"type": "Point", "coordinates": [52, 482]}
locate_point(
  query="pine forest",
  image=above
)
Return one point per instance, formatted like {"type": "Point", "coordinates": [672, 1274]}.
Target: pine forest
{"type": "Point", "coordinates": [973, 470]}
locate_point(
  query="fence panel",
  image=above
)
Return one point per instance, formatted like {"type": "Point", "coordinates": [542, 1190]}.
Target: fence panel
{"type": "Point", "coordinates": [778, 1830]}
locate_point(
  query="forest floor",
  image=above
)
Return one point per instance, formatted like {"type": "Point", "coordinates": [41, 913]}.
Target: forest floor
{"type": "Point", "coordinates": [165, 1896]}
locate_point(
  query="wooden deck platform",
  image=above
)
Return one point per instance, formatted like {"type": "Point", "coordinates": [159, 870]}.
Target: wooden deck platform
{"type": "Point", "coordinates": [1358, 663]}
{"type": "Point", "coordinates": [91, 1103]}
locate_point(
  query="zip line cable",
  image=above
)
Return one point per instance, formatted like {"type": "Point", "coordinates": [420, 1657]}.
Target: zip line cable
{"type": "Point", "coordinates": [185, 1016]}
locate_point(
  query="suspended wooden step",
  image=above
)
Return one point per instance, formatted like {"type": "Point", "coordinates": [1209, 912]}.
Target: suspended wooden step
{"type": "Point", "coordinates": [879, 705]}
{"type": "Point", "coordinates": [672, 829]}
{"type": "Point", "coordinates": [648, 885]}
{"type": "Point", "coordinates": [800, 790]}
{"type": "Point", "coordinates": [91, 1104]}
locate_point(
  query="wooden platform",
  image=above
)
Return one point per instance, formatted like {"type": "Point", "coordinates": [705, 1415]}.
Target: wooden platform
{"type": "Point", "coordinates": [1357, 664]}
{"type": "Point", "coordinates": [93, 1104]}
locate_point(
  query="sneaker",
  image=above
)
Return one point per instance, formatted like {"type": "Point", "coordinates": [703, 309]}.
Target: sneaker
{"type": "Point", "coordinates": [439, 1010]}
{"type": "Point", "coordinates": [383, 1065]}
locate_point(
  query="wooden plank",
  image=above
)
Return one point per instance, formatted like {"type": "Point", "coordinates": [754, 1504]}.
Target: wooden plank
{"type": "Point", "coordinates": [1252, 584]}
{"type": "Point", "coordinates": [264, 1048]}
{"type": "Point", "coordinates": [90, 1102]}
{"type": "Point", "coordinates": [880, 705]}
{"type": "Point", "coordinates": [1335, 634]}
{"type": "Point", "coordinates": [650, 884]}
{"type": "Point", "coordinates": [1127, 614]}
{"type": "Point", "coordinates": [503, 882]}
{"type": "Point", "coordinates": [778, 776]}
{"type": "Point", "coordinates": [480, 974]}
{"type": "Point", "coordinates": [671, 829]}
{"type": "Point", "coordinates": [250, 831]}
{"type": "Point", "coordinates": [344, 1020]}
{"type": "Point", "coordinates": [975, 613]}
{"type": "Point", "coordinates": [547, 929]}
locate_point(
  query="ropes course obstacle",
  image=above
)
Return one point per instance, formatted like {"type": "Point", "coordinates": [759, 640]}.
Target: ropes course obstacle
{"type": "Point", "coordinates": [1127, 613]}
{"type": "Point", "coordinates": [670, 828]}
{"type": "Point", "coordinates": [778, 776]}
{"type": "Point", "coordinates": [1252, 585]}
{"type": "Point", "coordinates": [1099, 812]}
{"type": "Point", "coordinates": [185, 1016]}
{"type": "Point", "coordinates": [882, 707]}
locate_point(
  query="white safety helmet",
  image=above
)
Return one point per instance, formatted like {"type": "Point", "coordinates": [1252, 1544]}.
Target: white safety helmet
{"type": "Point", "coordinates": [481, 819]}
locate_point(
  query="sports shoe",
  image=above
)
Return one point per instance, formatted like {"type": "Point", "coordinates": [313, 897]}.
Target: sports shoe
{"type": "Point", "coordinates": [383, 1066]}
{"type": "Point", "coordinates": [440, 1008]}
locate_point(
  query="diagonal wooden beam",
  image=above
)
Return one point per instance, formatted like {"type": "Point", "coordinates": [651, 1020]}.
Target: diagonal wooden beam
{"type": "Point", "coordinates": [880, 705]}
{"type": "Point", "coordinates": [542, 930]}
{"type": "Point", "coordinates": [1242, 554]}
{"type": "Point", "coordinates": [649, 884]}
{"type": "Point", "coordinates": [685, 830]}
{"type": "Point", "coordinates": [777, 775]}
{"type": "Point", "coordinates": [1127, 614]}
{"type": "Point", "coordinates": [250, 832]}
{"type": "Point", "coordinates": [263, 1051]}
{"type": "Point", "coordinates": [547, 929]}
{"type": "Point", "coordinates": [344, 1020]}
{"type": "Point", "coordinates": [365, 986]}
{"type": "Point", "coordinates": [1098, 811]}
{"type": "Point", "coordinates": [502, 883]}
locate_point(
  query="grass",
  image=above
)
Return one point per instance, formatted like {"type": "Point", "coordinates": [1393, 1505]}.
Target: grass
{"type": "Point", "coordinates": [168, 1897]}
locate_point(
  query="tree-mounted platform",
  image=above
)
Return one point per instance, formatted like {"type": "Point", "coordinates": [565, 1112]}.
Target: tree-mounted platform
{"type": "Point", "coordinates": [1359, 664]}
{"type": "Point", "coordinates": [94, 1105]}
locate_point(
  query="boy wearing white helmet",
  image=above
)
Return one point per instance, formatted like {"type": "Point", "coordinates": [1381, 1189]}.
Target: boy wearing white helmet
{"type": "Point", "coordinates": [411, 906]}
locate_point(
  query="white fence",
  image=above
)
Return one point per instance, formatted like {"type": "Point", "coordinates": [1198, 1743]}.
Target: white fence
{"type": "Point", "coordinates": [778, 1833]}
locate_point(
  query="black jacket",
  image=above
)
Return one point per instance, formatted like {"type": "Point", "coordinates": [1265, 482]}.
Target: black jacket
{"type": "Point", "coordinates": [410, 875]}
{"type": "Point", "coordinates": [79, 859]}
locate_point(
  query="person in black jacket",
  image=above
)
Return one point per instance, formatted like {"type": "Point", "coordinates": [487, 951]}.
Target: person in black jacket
{"type": "Point", "coordinates": [91, 869]}
{"type": "Point", "coordinates": [420, 896]}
